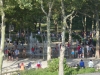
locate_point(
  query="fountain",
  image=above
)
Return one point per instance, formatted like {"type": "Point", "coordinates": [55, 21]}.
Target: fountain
{"type": "Point", "coordinates": [31, 42]}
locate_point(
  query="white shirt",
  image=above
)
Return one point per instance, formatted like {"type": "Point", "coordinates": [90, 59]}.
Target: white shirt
{"type": "Point", "coordinates": [82, 49]}
{"type": "Point", "coordinates": [87, 47]}
{"type": "Point", "coordinates": [90, 64]}
{"type": "Point", "coordinates": [16, 52]}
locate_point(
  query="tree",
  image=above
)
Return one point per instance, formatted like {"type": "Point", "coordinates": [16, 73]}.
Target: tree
{"type": "Point", "coordinates": [62, 51]}
{"type": "Point", "coordinates": [71, 8]}
{"type": "Point", "coordinates": [48, 16]}
{"type": "Point", "coordinates": [2, 34]}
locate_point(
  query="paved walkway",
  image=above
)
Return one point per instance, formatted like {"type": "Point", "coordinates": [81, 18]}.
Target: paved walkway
{"type": "Point", "coordinates": [90, 74]}
{"type": "Point", "coordinates": [13, 65]}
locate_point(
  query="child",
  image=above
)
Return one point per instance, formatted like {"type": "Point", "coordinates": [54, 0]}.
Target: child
{"type": "Point", "coordinates": [72, 53]}
{"type": "Point", "coordinates": [38, 65]}
{"type": "Point", "coordinates": [22, 67]}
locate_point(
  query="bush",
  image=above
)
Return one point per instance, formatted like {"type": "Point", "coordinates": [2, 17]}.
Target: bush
{"type": "Point", "coordinates": [53, 65]}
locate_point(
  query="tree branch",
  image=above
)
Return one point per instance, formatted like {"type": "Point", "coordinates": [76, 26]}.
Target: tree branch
{"type": "Point", "coordinates": [85, 14]}
{"type": "Point", "coordinates": [66, 17]}
{"type": "Point", "coordinates": [74, 15]}
{"type": "Point", "coordinates": [42, 7]}
{"type": "Point", "coordinates": [51, 4]}
{"type": "Point", "coordinates": [69, 15]}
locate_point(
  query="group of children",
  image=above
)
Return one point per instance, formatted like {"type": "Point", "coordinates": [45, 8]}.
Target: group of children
{"type": "Point", "coordinates": [22, 67]}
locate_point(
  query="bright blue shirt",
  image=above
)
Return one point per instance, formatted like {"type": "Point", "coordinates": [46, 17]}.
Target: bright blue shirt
{"type": "Point", "coordinates": [81, 64]}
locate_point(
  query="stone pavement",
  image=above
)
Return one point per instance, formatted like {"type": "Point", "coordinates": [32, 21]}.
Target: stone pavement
{"type": "Point", "coordinates": [90, 74]}
{"type": "Point", "coordinates": [72, 62]}
{"type": "Point", "coordinates": [12, 65]}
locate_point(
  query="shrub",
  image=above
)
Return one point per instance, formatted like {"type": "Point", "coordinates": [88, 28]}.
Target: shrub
{"type": "Point", "coordinates": [53, 65]}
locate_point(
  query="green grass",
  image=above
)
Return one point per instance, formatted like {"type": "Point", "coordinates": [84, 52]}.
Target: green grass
{"type": "Point", "coordinates": [69, 71]}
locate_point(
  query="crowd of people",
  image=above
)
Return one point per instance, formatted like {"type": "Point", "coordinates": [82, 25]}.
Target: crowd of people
{"type": "Point", "coordinates": [11, 54]}
{"type": "Point", "coordinates": [14, 53]}
{"type": "Point", "coordinates": [81, 50]}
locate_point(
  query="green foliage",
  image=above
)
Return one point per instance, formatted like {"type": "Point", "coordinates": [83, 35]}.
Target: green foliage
{"type": "Point", "coordinates": [25, 4]}
{"type": "Point", "coordinates": [86, 70]}
{"type": "Point", "coordinates": [38, 72]}
{"type": "Point", "coordinates": [53, 65]}
{"type": "Point", "coordinates": [68, 71]}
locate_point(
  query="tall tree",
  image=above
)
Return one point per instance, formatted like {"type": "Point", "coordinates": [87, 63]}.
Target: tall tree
{"type": "Point", "coordinates": [48, 16]}
{"type": "Point", "coordinates": [62, 51]}
{"type": "Point", "coordinates": [2, 34]}
{"type": "Point", "coordinates": [71, 7]}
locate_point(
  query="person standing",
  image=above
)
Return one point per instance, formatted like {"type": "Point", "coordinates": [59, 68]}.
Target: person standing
{"type": "Point", "coordinates": [33, 51]}
{"type": "Point", "coordinates": [72, 53]}
{"type": "Point", "coordinates": [9, 55]}
{"type": "Point", "coordinates": [88, 50]}
{"type": "Point", "coordinates": [24, 52]}
{"type": "Point", "coordinates": [82, 51]}
{"type": "Point", "coordinates": [78, 50]}
{"type": "Point", "coordinates": [12, 54]}
{"type": "Point", "coordinates": [93, 52]}
{"type": "Point", "coordinates": [16, 54]}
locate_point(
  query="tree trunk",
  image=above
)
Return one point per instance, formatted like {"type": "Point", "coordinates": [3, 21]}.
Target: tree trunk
{"type": "Point", "coordinates": [2, 47]}
{"type": "Point", "coordinates": [84, 25]}
{"type": "Point", "coordinates": [97, 35]}
{"type": "Point", "coordinates": [40, 24]}
{"type": "Point", "coordinates": [2, 36]}
{"type": "Point", "coordinates": [48, 39]}
{"type": "Point", "coordinates": [70, 31]}
{"type": "Point", "coordinates": [92, 27]}
{"type": "Point", "coordinates": [55, 23]}
{"type": "Point", "coordinates": [48, 28]}
{"type": "Point", "coordinates": [62, 51]}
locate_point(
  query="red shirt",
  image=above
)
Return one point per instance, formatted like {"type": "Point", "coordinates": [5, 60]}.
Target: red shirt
{"type": "Point", "coordinates": [78, 48]}
{"type": "Point", "coordinates": [32, 49]}
{"type": "Point", "coordinates": [38, 65]}
{"type": "Point", "coordinates": [68, 45]}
